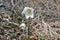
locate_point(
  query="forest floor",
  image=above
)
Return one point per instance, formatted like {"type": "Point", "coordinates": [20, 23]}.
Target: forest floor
{"type": "Point", "coordinates": [44, 26]}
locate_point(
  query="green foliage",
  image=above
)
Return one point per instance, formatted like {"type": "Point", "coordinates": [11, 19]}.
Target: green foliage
{"type": "Point", "coordinates": [42, 38]}
{"type": "Point", "coordinates": [13, 35]}
{"type": "Point", "coordinates": [58, 38]}
{"type": "Point", "coordinates": [0, 25]}
{"type": "Point", "coordinates": [5, 32]}
{"type": "Point", "coordinates": [27, 37]}
{"type": "Point", "coordinates": [16, 18]}
{"type": "Point", "coordinates": [19, 20]}
{"type": "Point", "coordinates": [42, 14]}
{"type": "Point", "coordinates": [10, 25]}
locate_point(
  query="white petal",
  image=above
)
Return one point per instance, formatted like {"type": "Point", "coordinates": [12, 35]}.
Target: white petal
{"type": "Point", "coordinates": [27, 16]}
{"type": "Point", "coordinates": [32, 9]}
{"type": "Point", "coordinates": [26, 7]}
{"type": "Point", "coordinates": [23, 12]}
{"type": "Point", "coordinates": [32, 15]}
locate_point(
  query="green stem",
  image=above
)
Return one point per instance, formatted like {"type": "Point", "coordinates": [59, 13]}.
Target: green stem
{"type": "Point", "coordinates": [28, 25]}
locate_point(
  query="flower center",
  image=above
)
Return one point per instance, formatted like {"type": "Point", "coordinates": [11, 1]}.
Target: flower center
{"type": "Point", "coordinates": [28, 11]}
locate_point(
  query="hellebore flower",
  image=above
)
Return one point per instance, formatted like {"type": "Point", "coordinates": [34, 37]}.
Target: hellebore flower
{"type": "Point", "coordinates": [28, 12]}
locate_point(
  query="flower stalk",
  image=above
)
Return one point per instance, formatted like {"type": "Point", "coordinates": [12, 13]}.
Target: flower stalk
{"type": "Point", "coordinates": [29, 27]}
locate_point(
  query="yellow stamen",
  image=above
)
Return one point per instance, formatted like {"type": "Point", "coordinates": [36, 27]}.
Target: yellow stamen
{"type": "Point", "coordinates": [28, 12]}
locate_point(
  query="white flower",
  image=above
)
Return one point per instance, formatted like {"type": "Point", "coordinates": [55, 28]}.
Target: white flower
{"type": "Point", "coordinates": [22, 26]}
{"type": "Point", "coordinates": [28, 12]}
{"type": "Point", "coordinates": [1, 4]}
